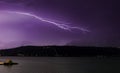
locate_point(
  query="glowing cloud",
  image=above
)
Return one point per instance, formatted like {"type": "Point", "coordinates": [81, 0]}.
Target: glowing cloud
{"type": "Point", "coordinates": [60, 25]}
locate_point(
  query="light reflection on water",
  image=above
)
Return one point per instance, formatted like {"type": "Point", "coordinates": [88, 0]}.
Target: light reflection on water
{"type": "Point", "coordinates": [61, 65]}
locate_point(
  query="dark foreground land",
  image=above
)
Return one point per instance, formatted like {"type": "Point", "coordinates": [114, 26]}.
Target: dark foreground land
{"type": "Point", "coordinates": [61, 51]}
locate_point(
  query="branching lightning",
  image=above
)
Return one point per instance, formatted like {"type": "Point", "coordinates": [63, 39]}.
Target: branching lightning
{"type": "Point", "coordinates": [60, 25]}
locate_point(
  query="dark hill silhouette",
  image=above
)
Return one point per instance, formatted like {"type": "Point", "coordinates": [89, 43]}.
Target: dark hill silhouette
{"type": "Point", "coordinates": [61, 51]}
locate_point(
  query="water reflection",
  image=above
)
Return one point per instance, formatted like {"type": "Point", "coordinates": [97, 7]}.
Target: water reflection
{"type": "Point", "coordinates": [62, 65]}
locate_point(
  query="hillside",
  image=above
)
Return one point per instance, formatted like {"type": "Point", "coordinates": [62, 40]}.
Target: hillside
{"type": "Point", "coordinates": [61, 51]}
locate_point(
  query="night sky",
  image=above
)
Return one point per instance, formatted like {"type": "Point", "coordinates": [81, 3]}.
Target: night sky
{"type": "Point", "coordinates": [71, 22]}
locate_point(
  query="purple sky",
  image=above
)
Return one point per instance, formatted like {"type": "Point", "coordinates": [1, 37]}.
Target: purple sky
{"type": "Point", "coordinates": [99, 17]}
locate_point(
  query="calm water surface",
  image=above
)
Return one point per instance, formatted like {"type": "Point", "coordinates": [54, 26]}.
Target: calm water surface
{"type": "Point", "coordinates": [62, 65]}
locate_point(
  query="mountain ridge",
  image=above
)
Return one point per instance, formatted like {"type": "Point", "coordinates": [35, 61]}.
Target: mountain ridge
{"type": "Point", "coordinates": [61, 51]}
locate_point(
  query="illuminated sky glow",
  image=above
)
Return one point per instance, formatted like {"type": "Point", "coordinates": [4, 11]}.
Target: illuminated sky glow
{"type": "Point", "coordinates": [51, 22]}
{"type": "Point", "coordinates": [10, 19]}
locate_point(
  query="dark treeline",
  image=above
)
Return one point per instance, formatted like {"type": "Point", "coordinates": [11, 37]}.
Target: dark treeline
{"type": "Point", "coordinates": [61, 51]}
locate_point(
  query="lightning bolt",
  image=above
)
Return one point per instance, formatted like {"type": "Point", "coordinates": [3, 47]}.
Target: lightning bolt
{"type": "Point", "coordinates": [60, 25]}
